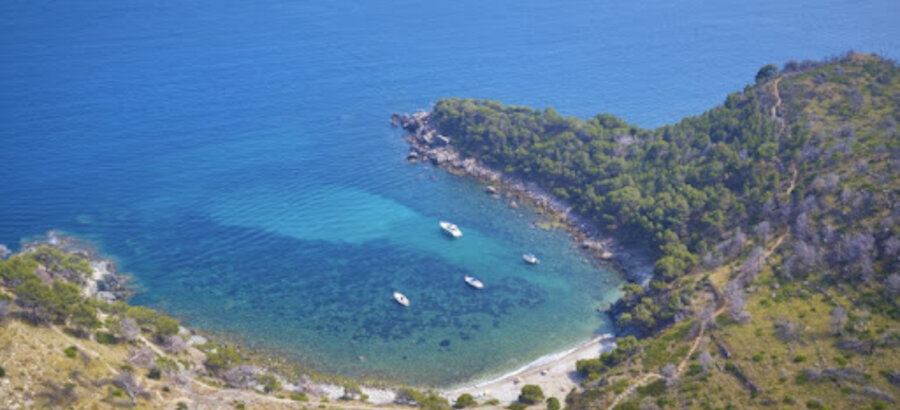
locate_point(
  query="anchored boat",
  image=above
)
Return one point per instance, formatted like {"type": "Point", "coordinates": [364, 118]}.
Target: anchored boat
{"type": "Point", "coordinates": [451, 229]}
{"type": "Point", "coordinates": [531, 259]}
{"type": "Point", "coordinates": [401, 298]}
{"type": "Point", "coordinates": [475, 283]}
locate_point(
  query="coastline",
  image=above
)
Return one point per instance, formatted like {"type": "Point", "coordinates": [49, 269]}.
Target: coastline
{"type": "Point", "coordinates": [427, 145]}
{"type": "Point", "coordinates": [555, 373]}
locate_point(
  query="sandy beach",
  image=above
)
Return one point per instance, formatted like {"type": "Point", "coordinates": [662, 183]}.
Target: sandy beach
{"type": "Point", "coordinates": [554, 373]}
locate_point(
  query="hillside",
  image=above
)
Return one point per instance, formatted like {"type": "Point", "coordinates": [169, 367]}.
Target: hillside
{"type": "Point", "coordinates": [67, 340]}
{"type": "Point", "coordinates": [773, 223]}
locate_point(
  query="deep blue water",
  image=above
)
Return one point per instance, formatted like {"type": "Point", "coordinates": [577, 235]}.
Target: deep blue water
{"type": "Point", "coordinates": [235, 156]}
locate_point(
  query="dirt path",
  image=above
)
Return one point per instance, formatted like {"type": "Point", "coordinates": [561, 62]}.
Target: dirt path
{"type": "Point", "coordinates": [774, 110]}
{"type": "Point", "coordinates": [682, 365]}
{"type": "Point", "coordinates": [794, 174]}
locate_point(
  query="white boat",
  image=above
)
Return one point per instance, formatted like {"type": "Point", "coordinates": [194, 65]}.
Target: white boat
{"type": "Point", "coordinates": [401, 299]}
{"type": "Point", "coordinates": [451, 229]}
{"type": "Point", "coordinates": [530, 258]}
{"type": "Point", "coordinates": [475, 283]}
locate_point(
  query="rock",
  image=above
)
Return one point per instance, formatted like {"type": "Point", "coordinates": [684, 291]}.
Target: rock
{"type": "Point", "coordinates": [513, 205]}
{"type": "Point", "coordinates": [490, 189]}
{"type": "Point", "coordinates": [606, 255]}
{"type": "Point", "coordinates": [412, 157]}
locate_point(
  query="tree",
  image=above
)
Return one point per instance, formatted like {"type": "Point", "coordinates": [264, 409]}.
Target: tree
{"type": "Point", "coordinates": [269, 382]}
{"type": "Point", "coordinates": [531, 394]}
{"type": "Point", "coordinates": [84, 318]}
{"type": "Point", "coordinates": [165, 327]}
{"type": "Point", "coordinates": [766, 73]}
{"type": "Point", "coordinates": [670, 373]}
{"type": "Point", "coordinates": [465, 400]}
{"type": "Point", "coordinates": [221, 358]}
{"type": "Point", "coordinates": [34, 298]}
{"type": "Point", "coordinates": [553, 404]}
{"type": "Point", "coordinates": [706, 361]}
{"type": "Point", "coordinates": [892, 284]}
{"type": "Point", "coordinates": [838, 320]}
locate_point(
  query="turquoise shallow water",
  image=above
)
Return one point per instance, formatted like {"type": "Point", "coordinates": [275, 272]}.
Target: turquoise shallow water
{"type": "Point", "coordinates": [236, 158]}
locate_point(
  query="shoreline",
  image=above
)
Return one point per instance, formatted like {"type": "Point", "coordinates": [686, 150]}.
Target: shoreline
{"type": "Point", "coordinates": [427, 145]}
{"type": "Point", "coordinates": [554, 372]}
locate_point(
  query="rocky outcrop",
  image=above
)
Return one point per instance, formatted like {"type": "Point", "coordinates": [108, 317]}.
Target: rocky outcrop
{"type": "Point", "coordinates": [427, 144]}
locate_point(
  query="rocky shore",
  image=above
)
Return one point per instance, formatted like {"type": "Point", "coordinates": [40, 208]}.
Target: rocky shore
{"type": "Point", "coordinates": [428, 145]}
{"type": "Point", "coordinates": [104, 281]}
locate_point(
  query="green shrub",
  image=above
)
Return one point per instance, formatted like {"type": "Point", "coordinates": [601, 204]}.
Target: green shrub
{"type": "Point", "coordinates": [517, 406]}
{"type": "Point", "coordinates": [531, 394]}
{"type": "Point", "coordinates": [813, 404]}
{"type": "Point", "coordinates": [653, 389]}
{"type": "Point", "coordinates": [270, 383]}
{"type": "Point", "coordinates": [299, 397]}
{"type": "Point", "coordinates": [71, 351]}
{"type": "Point", "coordinates": [553, 404]}
{"type": "Point", "coordinates": [105, 338]}
{"type": "Point", "coordinates": [492, 402]}
{"type": "Point", "coordinates": [465, 400]}
{"type": "Point", "coordinates": [799, 358]}
{"type": "Point", "coordinates": [154, 374]}
{"type": "Point", "coordinates": [2, 372]}
{"type": "Point", "coordinates": [840, 361]}
{"type": "Point", "coordinates": [165, 327]}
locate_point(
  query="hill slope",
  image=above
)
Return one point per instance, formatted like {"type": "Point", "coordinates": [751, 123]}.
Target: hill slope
{"type": "Point", "coordinates": [787, 192]}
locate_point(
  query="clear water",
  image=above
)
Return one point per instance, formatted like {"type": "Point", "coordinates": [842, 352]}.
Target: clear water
{"type": "Point", "coordinates": [236, 156]}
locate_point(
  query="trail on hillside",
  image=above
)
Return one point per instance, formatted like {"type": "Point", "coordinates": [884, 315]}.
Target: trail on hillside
{"type": "Point", "coordinates": [650, 376]}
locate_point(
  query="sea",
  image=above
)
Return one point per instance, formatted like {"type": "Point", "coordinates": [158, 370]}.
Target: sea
{"type": "Point", "coordinates": [236, 157]}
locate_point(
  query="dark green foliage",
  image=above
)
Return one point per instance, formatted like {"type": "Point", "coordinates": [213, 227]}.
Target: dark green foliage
{"type": "Point", "coordinates": [71, 352]}
{"type": "Point", "coordinates": [2, 372]}
{"type": "Point", "coordinates": [299, 397]}
{"type": "Point", "coordinates": [429, 401]}
{"type": "Point", "coordinates": [653, 389]}
{"type": "Point", "coordinates": [165, 327]}
{"type": "Point", "coordinates": [221, 358]}
{"type": "Point", "coordinates": [270, 383]}
{"type": "Point", "coordinates": [710, 188]}
{"type": "Point", "coordinates": [154, 373]}
{"type": "Point", "coordinates": [553, 404]}
{"type": "Point", "coordinates": [766, 73]}
{"type": "Point", "coordinates": [592, 368]}
{"type": "Point", "coordinates": [106, 338]}
{"type": "Point", "coordinates": [465, 400]}
{"type": "Point", "coordinates": [531, 394]}
{"type": "Point", "coordinates": [517, 406]}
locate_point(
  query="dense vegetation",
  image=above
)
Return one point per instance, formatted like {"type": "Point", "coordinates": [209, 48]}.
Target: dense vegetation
{"type": "Point", "coordinates": [811, 150]}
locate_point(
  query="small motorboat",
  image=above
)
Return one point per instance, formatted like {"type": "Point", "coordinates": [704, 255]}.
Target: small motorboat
{"type": "Point", "coordinates": [475, 283]}
{"type": "Point", "coordinates": [401, 298]}
{"type": "Point", "coordinates": [451, 229]}
{"type": "Point", "coordinates": [531, 259]}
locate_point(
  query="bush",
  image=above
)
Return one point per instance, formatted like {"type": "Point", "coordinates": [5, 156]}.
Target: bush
{"type": "Point", "coordinates": [553, 404]}
{"type": "Point", "coordinates": [465, 400]}
{"type": "Point", "coordinates": [531, 394]}
{"type": "Point", "coordinates": [223, 358]}
{"type": "Point", "coordinates": [105, 338]}
{"type": "Point", "coordinates": [2, 372]}
{"type": "Point", "coordinates": [71, 351]}
{"type": "Point", "coordinates": [492, 402]}
{"type": "Point", "coordinates": [517, 406]}
{"type": "Point", "coordinates": [799, 358]}
{"type": "Point", "coordinates": [154, 374]}
{"type": "Point", "coordinates": [165, 327]}
{"type": "Point", "coordinates": [270, 383]}
{"type": "Point", "coordinates": [299, 397]}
